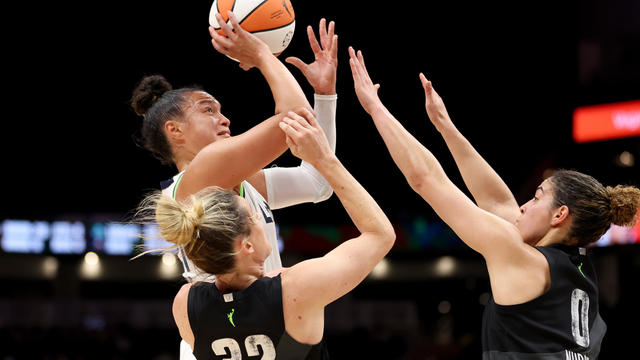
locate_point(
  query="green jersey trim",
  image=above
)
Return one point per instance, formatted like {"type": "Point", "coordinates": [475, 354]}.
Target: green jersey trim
{"type": "Point", "coordinates": [175, 188]}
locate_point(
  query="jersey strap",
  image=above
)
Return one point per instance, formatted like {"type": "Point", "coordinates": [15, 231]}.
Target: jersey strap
{"type": "Point", "coordinates": [175, 188]}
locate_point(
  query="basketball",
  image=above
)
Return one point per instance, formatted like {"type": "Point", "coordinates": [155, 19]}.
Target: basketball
{"type": "Point", "coordinates": [272, 21]}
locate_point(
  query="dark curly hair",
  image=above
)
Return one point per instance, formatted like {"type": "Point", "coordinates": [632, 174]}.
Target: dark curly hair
{"type": "Point", "coordinates": [593, 207]}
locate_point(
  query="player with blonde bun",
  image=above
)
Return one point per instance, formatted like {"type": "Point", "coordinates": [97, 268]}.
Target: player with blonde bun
{"type": "Point", "coordinates": [246, 312]}
{"type": "Point", "coordinates": [185, 127]}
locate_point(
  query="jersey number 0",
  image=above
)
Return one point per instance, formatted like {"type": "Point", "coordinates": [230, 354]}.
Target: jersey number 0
{"type": "Point", "coordinates": [580, 317]}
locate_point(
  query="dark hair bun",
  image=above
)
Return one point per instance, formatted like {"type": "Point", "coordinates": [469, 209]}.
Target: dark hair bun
{"type": "Point", "coordinates": [147, 92]}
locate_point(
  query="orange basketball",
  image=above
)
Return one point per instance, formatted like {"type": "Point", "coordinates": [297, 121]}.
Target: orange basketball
{"type": "Point", "coordinates": [272, 21]}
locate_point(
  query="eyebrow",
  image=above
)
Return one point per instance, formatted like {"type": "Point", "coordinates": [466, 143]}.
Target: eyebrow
{"type": "Point", "coordinates": [212, 102]}
{"type": "Point", "coordinates": [208, 101]}
{"type": "Point", "coordinates": [540, 188]}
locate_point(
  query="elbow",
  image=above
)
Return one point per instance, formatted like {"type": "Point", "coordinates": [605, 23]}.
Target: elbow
{"type": "Point", "coordinates": [324, 193]}
{"type": "Point", "coordinates": [418, 181]}
{"type": "Point", "coordinates": [388, 236]}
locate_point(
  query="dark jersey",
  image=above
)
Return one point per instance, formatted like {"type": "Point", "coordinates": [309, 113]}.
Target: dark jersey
{"type": "Point", "coordinates": [246, 324]}
{"type": "Point", "coordinates": [563, 323]}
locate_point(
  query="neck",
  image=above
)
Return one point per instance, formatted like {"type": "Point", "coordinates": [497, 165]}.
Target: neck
{"type": "Point", "coordinates": [234, 282]}
{"type": "Point", "coordinates": [554, 236]}
{"type": "Point", "coordinates": [182, 161]}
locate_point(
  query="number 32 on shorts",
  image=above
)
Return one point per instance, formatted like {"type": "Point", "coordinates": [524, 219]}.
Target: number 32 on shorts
{"type": "Point", "coordinates": [251, 344]}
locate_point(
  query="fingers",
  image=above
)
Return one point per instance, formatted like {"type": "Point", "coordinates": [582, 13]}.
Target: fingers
{"type": "Point", "coordinates": [220, 43]}
{"type": "Point", "coordinates": [322, 30]}
{"type": "Point", "coordinates": [224, 26]}
{"type": "Point", "coordinates": [234, 22]}
{"type": "Point", "coordinates": [426, 84]}
{"type": "Point", "coordinates": [357, 67]}
{"type": "Point", "coordinates": [315, 47]}
{"type": "Point", "coordinates": [332, 26]}
{"type": "Point", "coordinates": [310, 118]}
{"type": "Point", "coordinates": [298, 122]}
{"type": "Point", "coordinates": [301, 65]}
{"type": "Point", "coordinates": [334, 47]}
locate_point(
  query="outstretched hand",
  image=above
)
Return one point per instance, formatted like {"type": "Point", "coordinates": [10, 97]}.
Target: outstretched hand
{"type": "Point", "coordinates": [434, 105]}
{"type": "Point", "coordinates": [305, 137]}
{"type": "Point", "coordinates": [321, 73]}
{"type": "Point", "coordinates": [239, 44]}
{"type": "Point", "coordinates": [366, 90]}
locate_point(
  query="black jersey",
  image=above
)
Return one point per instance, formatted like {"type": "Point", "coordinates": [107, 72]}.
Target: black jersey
{"type": "Point", "coordinates": [563, 323]}
{"type": "Point", "coordinates": [246, 324]}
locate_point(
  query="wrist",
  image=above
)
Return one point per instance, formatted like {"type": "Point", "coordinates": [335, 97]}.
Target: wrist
{"type": "Point", "coordinates": [264, 57]}
{"type": "Point", "coordinates": [325, 162]}
{"type": "Point", "coordinates": [376, 109]}
{"type": "Point", "coordinates": [326, 97]}
{"type": "Point", "coordinates": [331, 91]}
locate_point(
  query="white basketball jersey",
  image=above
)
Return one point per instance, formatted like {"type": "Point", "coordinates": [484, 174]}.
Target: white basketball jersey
{"type": "Point", "coordinates": [257, 204]}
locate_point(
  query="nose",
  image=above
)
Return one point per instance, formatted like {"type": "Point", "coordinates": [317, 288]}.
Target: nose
{"type": "Point", "coordinates": [522, 208]}
{"type": "Point", "coordinates": [224, 121]}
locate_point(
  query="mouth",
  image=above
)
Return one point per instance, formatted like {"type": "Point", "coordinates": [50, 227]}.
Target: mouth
{"type": "Point", "coordinates": [225, 133]}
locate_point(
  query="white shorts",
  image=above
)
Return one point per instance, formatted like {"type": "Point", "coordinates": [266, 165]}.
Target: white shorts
{"type": "Point", "coordinates": [185, 351]}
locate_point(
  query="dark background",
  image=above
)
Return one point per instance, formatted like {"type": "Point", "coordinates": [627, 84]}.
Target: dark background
{"type": "Point", "coordinates": [510, 75]}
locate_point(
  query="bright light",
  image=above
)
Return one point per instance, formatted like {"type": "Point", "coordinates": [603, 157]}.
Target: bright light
{"type": "Point", "coordinates": [169, 268]}
{"type": "Point", "coordinates": [445, 266]}
{"type": "Point", "coordinates": [50, 267]}
{"type": "Point", "coordinates": [91, 258]}
{"type": "Point", "coordinates": [381, 270]}
{"type": "Point", "coordinates": [91, 268]}
{"type": "Point", "coordinates": [626, 159]}
{"type": "Point", "coordinates": [168, 259]}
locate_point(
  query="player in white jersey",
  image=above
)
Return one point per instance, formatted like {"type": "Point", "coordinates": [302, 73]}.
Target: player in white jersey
{"type": "Point", "coordinates": [185, 127]}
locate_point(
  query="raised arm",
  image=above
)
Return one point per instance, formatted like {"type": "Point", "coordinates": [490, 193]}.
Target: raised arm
{"type": "Point", "coordinates": [288, 186]}
{"type": "Point", "coordinates": [486, 186]}
{"type": "Point", "coordinates": [227, 162]}
{"type": "Point", "coordinates": [309, 286]}
{"type": "Point", "coordinates": [498, 240]}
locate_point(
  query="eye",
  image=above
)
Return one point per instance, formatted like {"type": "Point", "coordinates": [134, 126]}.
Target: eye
{"type": "Point", "coordinates": [208, 109]}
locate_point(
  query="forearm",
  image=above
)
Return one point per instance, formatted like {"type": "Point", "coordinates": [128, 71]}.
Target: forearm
{"type": "Point", "coordinates": [486, 186]}
{"type": "Point", "coordinates": [324, 107]}
{"type": "Point", "coordinates": [415, 162]}
{"type": "Point", "coordinates": [286, 91]}
{"type": "Point", "coordinates": [361, 207]}
{"type": "Point", "coordinates": [296, 185]}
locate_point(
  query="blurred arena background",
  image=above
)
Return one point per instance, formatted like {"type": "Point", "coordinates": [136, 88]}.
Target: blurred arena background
{"type": "Point", "coordinates": [512, 78]}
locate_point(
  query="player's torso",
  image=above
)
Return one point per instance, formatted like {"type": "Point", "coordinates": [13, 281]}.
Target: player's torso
{"type": "Point", "coordinates": [563, 323]}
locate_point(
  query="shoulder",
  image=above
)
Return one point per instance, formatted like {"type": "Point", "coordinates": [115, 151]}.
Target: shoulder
{"type": "Point", "coordinates": [182, 297]}
{"type": "Point", "coordinates": [181, 315]}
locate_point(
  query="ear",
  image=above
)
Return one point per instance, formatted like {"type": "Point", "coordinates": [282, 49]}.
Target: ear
{"type": "Point", "coordinates": [173, 129]}
{"type": "Point", "coordinates": [560, 216]}
{"type": "Point", "coordinates": [247, 247]}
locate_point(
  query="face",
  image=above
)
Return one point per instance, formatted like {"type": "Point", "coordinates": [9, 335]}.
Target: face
{"type": "Point", "coordinates": [535, 216]}
{"type": "Point", "coordinates": [204, 122]}
{"type": "Point", "coordinates": [258, 238]}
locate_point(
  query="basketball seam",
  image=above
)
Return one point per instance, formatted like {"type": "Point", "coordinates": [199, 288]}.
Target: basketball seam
{"type": "Point", "coordinates": [252, 11]}
{"type": "Point", "coordinates": [233, 7]}
{"type": "Point", "coordinates": [275, 28]}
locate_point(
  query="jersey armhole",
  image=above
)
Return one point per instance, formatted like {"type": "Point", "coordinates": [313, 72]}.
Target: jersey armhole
{"type": "Point", "coordinates": [175, 188]}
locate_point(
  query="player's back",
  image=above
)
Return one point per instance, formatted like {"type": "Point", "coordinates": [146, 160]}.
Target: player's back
{"type": "Point", "coordinates": [245, 324]}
